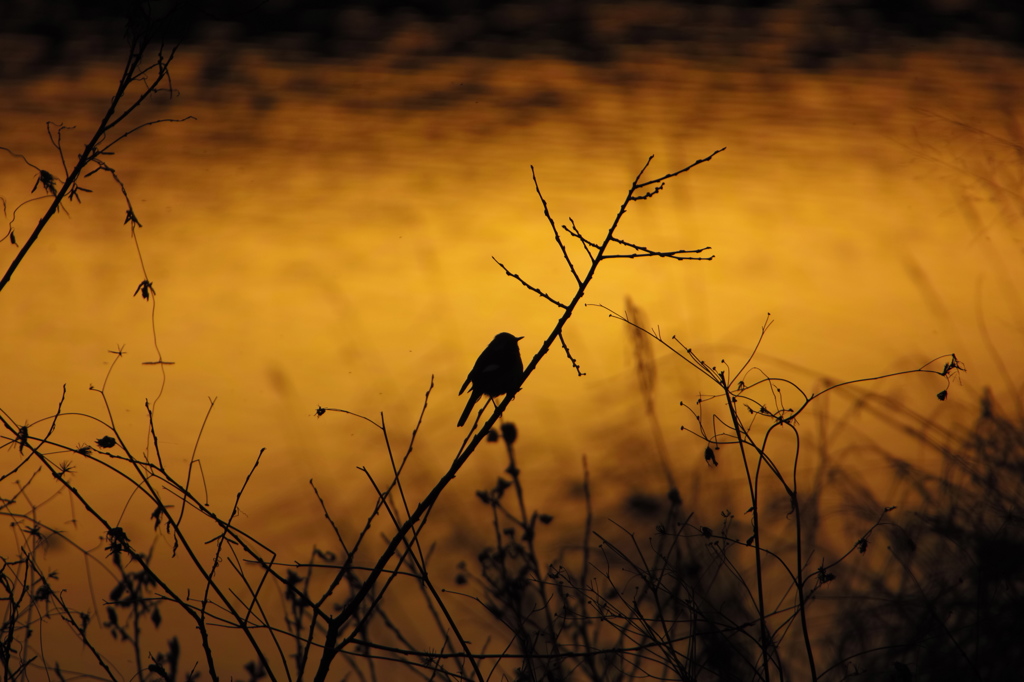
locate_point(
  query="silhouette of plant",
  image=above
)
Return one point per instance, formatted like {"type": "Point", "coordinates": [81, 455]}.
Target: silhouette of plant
{"type": "Point", "coordinates": [201, 565]}
{"type": "Point", "coordinates": [698, 599]}
{"type": "Point", "coordinates": [146, 74]}
{"type": "Point", "coordinates": [703, 595]}
{"type": "Point", "coordinates": [946, 602]}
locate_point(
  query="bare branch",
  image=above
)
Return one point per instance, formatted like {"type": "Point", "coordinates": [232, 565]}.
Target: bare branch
{"type": "Point", "coordinates": [644, 252]}
{"type": "Point", "coordinates": [554, 230]}
{"type": "Point", "coordinates": [528, 286]}
{"type": "Point", "coordinates": [575, 365]}
{"type": "Point", "coordinates": [663, 178]}
{"type": "Point", "coordinates": [586, 243]}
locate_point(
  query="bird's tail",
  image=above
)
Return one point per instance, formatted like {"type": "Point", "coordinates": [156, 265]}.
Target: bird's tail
{"type": "Point", "coordinates": [473, 397]}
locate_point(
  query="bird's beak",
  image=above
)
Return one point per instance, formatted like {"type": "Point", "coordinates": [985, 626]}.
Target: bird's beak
{"type": "Point", "coordinates": [520, 338]}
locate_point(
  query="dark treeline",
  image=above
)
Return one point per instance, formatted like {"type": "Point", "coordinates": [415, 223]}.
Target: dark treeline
{"type": "Point", "coordinates": [577, 29]}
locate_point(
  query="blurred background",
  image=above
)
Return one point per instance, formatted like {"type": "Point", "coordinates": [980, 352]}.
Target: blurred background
{"type": "Point", "coordinates": [322, 232]}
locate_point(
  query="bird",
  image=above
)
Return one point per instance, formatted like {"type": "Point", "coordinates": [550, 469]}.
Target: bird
{"type": "Point", "coordinates": [498, 370]}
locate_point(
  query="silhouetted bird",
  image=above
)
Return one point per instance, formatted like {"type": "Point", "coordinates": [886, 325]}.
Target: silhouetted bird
{"type": "Point", "coordinates": [497, 371]}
